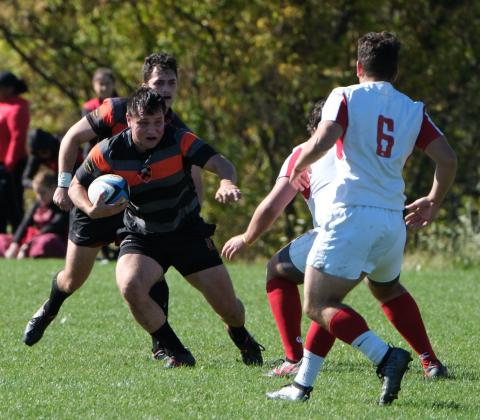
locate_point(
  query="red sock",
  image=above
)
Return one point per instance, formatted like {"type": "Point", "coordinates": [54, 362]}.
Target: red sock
{"type": "Point", "coordinates": [319, 341]}
{"type": "Point", "coordinates": [286, 307]}
{"type": "Point", "coordinates": [347, 325]}
{"type": "Point", "coordinates": [405, 316]}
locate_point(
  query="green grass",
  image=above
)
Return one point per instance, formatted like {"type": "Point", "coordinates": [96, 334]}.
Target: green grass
{"type": "Point", "coordinates": [93, 361]}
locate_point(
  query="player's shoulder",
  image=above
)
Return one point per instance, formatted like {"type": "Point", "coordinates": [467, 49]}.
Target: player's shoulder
{"type": "Point", "coordinates": [116, 143]}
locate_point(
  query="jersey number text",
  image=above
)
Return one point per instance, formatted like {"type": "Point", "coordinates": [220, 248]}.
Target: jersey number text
{"type": "Point", "coordinates": [384, 141]}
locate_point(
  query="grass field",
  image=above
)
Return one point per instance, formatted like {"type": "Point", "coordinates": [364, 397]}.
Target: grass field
{"type": "Point", "coordinates": [94, 361]}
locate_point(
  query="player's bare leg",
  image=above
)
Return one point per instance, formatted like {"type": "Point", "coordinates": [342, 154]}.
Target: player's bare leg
{"type": "Point", "coordinates": [136, 274]}
{"type": "Point", "coordinates": [78, 265]}
{"type": "Point", "coordinates": [217, 288]}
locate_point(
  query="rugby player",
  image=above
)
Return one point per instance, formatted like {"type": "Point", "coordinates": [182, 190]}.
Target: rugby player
{"type": "Point", "coordinates": [378, 128]}
{"type": "Point", "coordinates": [286, 269]}
{"type": "Point", "coordinates": [162, 223]}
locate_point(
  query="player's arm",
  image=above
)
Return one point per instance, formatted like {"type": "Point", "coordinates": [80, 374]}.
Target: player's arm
{"type": "Point", "coordinates": [80, 133]}
{"type": "Point", "coordinates": [78, 191]}
{"type": "Point", "coordinates": [198, 182]}
{"type": "Point", "coordinates": [424, 210]}
{"type": "Point", "coordinates": [265, 215]}
{"type": "Point", "coordinates": [318, 145]}
{"type": "Point", "coordinates": [224, 169]}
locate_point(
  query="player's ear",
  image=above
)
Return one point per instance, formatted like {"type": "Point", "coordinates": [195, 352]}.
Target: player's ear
{"type": "Point", "coordinates": [129, 120]}
{"type": "Point", "coordinates": [359, 69]}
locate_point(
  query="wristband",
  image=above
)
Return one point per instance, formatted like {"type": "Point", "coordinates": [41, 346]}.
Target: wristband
{"type": "Point", "coordinates": [64, 179]}
{"type": "Point", "coordinates": [244, 239]}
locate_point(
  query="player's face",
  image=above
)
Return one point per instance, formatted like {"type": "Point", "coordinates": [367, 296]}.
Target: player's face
{"type": "Point", "coordinates": [165, 83]}
{"type": "Point", "coordinates": [147, 130]}
{"type": "Point", "coordinates": [103, 87]}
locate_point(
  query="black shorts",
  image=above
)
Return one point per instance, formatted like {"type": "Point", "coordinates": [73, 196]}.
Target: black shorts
{"type": "Point", "coordinates": [84, 231]}
{"type": "Point", "coordinates": [186, 252]}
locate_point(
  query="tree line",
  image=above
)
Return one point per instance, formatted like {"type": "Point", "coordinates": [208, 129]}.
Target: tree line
{"type": "Point", "coordinates": [249, 74]}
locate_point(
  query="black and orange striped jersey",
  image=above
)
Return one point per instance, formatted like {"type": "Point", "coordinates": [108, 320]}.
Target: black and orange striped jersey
{"type": "Point", "coordinates": [110, 119]}
{"type": "Point", "coordinates": [162, 194]}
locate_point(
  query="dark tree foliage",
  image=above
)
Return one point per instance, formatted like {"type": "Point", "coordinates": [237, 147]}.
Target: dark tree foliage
{"type": "Point", "coordinates": [249, 74]}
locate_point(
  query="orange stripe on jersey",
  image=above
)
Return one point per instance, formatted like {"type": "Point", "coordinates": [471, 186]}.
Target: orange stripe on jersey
{"type": "Point", "coordinates": [186, 142]}
{"type": "Point", "coordinates": [159, 170]}
{"type": "Point", "coordinates": [166, 167]}
{"type": "Point", "coordinates": [96, 156]}
{"type": "Point", "coordinates": [106, 112]}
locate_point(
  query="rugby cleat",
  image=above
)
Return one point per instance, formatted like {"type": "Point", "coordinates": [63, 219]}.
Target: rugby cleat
{"type": "Point", "coordinates": [179, 359]}
{"type": "Point", "coordinates": [251, 352]}
{"type": "Point", "coordinates": [291, 392]}
{"type": "Point", "coordinates": [284, 368]}
{"type": "Point", "coordinates": [391, 371]}
{"type": "Point", "coordinates": [37, 326]}
{"type": "Point", "coordinates": [435, 370]}
{"type": "Point", "coordinates": [158, 351]}
{"type": "Point", "coordinates": [159, 354]}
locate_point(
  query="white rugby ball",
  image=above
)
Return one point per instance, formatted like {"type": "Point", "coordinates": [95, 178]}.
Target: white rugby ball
{"type": "Point", "coordinates": [114, 188]}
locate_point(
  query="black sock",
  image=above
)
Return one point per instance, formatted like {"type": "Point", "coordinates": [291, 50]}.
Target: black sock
{"type": "Point", "coordinates": [160, 293]}
{"type": "Point", "coordinates": [167, 338]}
{"type": "Point", "coordinates": [57, 297]}
{"type": "Point", "coordinates": [238, 334]}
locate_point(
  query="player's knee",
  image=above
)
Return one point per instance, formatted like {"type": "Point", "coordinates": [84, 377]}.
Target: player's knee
{"type": "Point", "coordinates": [130, 289]}
{"type": "Point", "coordinates": [69, 283]}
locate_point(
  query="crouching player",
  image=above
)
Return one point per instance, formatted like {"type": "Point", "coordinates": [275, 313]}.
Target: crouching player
{"type": "Point", "coordinates": [162, 223]}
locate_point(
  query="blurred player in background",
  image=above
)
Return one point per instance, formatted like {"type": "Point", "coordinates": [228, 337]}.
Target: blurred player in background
{"type": "Point", "coordinates": [14, 121]}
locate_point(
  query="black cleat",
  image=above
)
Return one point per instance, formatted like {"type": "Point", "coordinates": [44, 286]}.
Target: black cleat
{"type": "Point", "coordinates": [179, 359]}
{"type": "Point", "coordinates": [158, 351]}
{"type": "Point", "coordinates": [37, 326]}
{"type": "Point", "coordinates": [391, 371]}
{"type": "Point", "coordinates": [251, 352]}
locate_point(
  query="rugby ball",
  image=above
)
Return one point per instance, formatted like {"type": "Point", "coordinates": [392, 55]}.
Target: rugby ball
{"type": "Point", "coordinates": [114, 188]}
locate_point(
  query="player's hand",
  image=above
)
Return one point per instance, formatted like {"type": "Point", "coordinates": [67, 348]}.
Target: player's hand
{"type": "Point", "coordinates": [300, 180]}
{"type": "Point", "coordinates": [232, 246]}
{"type": "Point", "coordinates": [228, 192]}
{"type": "Point", "coordinates": [421, 213]}
{"type": "Point", "coordinates": [62, 200]}
{"type": "Point", "coordinates": [101, 209]}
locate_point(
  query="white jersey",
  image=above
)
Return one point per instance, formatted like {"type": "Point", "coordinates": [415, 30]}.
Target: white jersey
{"type": "Point", "coordinates": [322, 174]}
{"type": "Point", "coordinates": [381, 128]}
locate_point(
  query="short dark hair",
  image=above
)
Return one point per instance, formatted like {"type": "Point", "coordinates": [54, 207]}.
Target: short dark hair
{"type": "Point", "coordinates": [145, 101]}
{"type": "Point", "coordinates": [378, 54]}
{"type": "Point", "coordinates": [315, 116]}
{"type": "Point", "coordinates": [162, 61]}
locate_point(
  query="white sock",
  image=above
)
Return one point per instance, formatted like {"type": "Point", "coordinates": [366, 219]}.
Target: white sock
{"type": "Point", "coordinates": [311, 365]}
{"type": "Point", "coordinates": [371, 346]}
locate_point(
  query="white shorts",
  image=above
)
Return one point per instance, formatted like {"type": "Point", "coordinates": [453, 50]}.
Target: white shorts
{"type": "Point", "coordinates": [299, 249]}
{"type": "Point", "coordinates": [360, 239]}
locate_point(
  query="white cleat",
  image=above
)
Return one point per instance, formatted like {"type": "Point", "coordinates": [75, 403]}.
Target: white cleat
{"type": "Point", "coordinates": [291, 392]}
